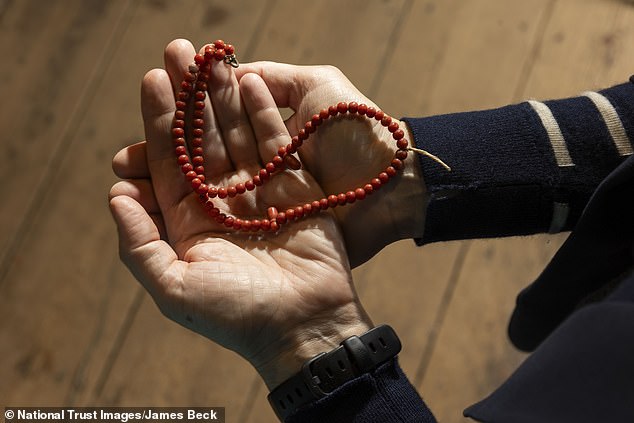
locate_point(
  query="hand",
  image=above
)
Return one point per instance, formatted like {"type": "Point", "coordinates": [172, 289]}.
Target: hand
{"type": "Point", "coordinates": [346, 153]}
{"type": "Point", "coordinates": [276, 299]}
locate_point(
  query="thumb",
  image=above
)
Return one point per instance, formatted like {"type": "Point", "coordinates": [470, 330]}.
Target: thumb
{"type": "Point", "coordinates": [140, 246]}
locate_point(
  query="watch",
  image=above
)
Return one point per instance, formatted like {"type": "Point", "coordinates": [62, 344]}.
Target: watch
{"type": "Point", "coordinates": [327, 371]}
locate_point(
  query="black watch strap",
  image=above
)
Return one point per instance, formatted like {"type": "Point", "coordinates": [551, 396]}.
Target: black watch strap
{"type": "Point", "coordinates": [327, 371]}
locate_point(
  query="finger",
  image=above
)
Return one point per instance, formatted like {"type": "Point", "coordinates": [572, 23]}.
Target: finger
{"type": "Point", "coordinates": [141, 248]}
{"type": "Point", "coordinates": [284, 81]}
{"type": "Point", "coordinates": [157, 105]}
{"type": "Point", "coordinates": [179, 54]}
{"type": "Point", "coordinates": [140, 190]}
{"type": "Point", "coordinates": [269, 128]}
{"type": "Point", "coordinates": [131, 162]}
{"type": "Point", "coordinates": [231, 116]}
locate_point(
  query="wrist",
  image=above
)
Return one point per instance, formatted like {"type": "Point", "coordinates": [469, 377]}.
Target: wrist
{"type": "Point", "coordinates": [304, 342]}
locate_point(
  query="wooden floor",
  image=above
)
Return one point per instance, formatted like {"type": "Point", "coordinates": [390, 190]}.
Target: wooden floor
{"type": "Point", "coordinates": [76, 329]}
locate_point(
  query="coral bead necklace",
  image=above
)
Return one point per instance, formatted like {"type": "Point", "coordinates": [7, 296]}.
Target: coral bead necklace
{"type": "Point", "coordinates": [194, 88]}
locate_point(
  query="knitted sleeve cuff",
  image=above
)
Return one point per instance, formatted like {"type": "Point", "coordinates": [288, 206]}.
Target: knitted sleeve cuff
{"type": "Point", "coordinates": [524, 168]}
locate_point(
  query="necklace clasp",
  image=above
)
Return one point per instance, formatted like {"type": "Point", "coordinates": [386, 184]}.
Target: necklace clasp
{"type": "Point", "coordinates": [230, 59]}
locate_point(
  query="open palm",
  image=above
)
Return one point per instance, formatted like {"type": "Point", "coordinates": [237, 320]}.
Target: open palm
{"type": "Point", "coordinates": [253, 293]}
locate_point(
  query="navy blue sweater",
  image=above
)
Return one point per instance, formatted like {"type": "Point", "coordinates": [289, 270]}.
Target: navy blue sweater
{"type": "Point", "coordinates": [522, 169]}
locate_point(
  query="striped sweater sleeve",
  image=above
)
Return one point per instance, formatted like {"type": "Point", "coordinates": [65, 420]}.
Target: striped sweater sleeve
{"type": "Point", "coordinates": [521, 169]}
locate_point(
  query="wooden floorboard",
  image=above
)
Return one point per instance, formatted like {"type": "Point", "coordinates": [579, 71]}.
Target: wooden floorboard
{"type": "Point", "coordinates": [76, 329]}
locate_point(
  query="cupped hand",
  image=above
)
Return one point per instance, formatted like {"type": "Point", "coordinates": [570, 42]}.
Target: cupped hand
{"type": "Point", "coordinates": [276, 299]}
{"type": "Point", "coordinates": [345, 153]}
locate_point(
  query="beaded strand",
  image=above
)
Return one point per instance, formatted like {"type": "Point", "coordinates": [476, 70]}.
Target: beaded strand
{"type": "Point", "coordinates": [194, 87]}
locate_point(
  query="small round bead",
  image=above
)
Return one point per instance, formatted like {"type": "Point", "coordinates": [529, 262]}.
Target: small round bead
{"type": "Point", "coordinates": [376, 183]}
{"type": "Point", "coordinates": [390, 171]}
{"type": "Point", "coordinates": [222, 192]}
{"type": "Point", "coordinates": [363, 108]}
{"type": "Point", "coordinates": [256, 224]}
{"type": "Point", "coordinates": [398, 134]}
{"type": "Point", "coordinates": [187, 86]}
{"type": "Point", "coordinates": [214, 211]}
{"type": "Point", "coordinates": [386, 120]}
{"type": "Point", "coordinates": [270, 167]}
{"type": "Point", "coordinates": [198, 123]}
{"type": "Point", "coordinates": [199, 105]}
{"type": "Point", "coordinates": [379, 115]}
{"type": "Point", "coordinates": [299, 212]}
{"type": "Point", "coordinates": [183, 159]}
{"type": "Point", "coordinates": [402, 144]}
{"type": "Point", "coordinates": [193, 67]}
{"type": "Point", "coordinates": [237, 224]}
{"type": "Point", "coordinates": [199, 114]}
{"type": "Point", "coordinates": [183, 96]}
{"type": "Point", "coordinates": [212, 192]}
{"type": "Point", "coordinates": [370, 112]}
{"type": "Point", "coordinates": [221, 218]}
{"type": "Point", "coordinates": [275, 226]}
{"type": "Point", "coordinates": [196, 183]}
{"type": "Point", "coordinates": [199, 59]}
{"type": "Point", "coordinates": [265, 225]}
{"type": "Point", "coordinates": [178, 132]}
{"type": "Point", "coordinates": [290, 149]}
{"type": "Point", "coordinates": [351, 197]}
{"type": "Point", "coordinates": [200, 95]}
{"type": "Point", "coordinates": [264, 174]}
{"type": "Point", "coordinates": [332, 110]}
{"type": "Point", "coordinates": [359, 193]}
{"type": "Point", "coordinates": [341, 199]}
{"type": "Point", "coordinates": [309, 127]}
{"type": "Point", "coordinates": [316, 120]}
{"type": "Point", "coordinates": [281, 151]}
{"type": "Point", "coordinates": [315, 205]}
{"type": "Point", "coordinates": [197, 151]}
{"type": "Point", "coordinates": [191, 175]}
{"type": "Point", "coordinates": [202, 86]}
{"type": "Point", "coordinates": [219, 54]}
{"type": "Point", "coordinates": [179, 141]}
{"type": "Point", "coordinates": [231, 192]}
{"type": "Point", "coordinates": [290, 214]}
{"type": "Point", "coordinates": [219, 44]}
{"type": "Point", "coordinates": [249, 185]}
{"type": "Point", "coordinates": [199, 170]}
{"type": "Point", "coordinates": [187, 167]}
{"type": "Point", "coordinates": [229, 222]}
{"type": "Point", "coordinates": [393, 126]}
{"type": "Point", "coordinates": [189, 77]}
{"type": "Point", "coordinates": [323, 114]}
{"type": "Point", "coordinates": [178, 123]}
{"type": "Point", "coordinates": [180, 150]}
{"type": "Point", "coordinates": [384, 177]}
{"type": "Point", "coordinates": [272, 213]}
{"type": "Point", "coordinates": [278, 162]}
{"type": "Point", "coordinates": [240, 188]}
{"type": "Point", "coordinates": [332, 200]}
{"type": "Point", "coordinates": [198, 160]}
{"type": "Point", "coordinates": [307, 209]}
{"type": "Point", "coordinates": [396, 164]}
{"type": "Point", "coordinates": [197, 142]}
{"type": "Point", "coordinates": [230, 49]}
{"type": "Point", "coordinates": [401, 154]}
{"type": "Point", "coordinates": [257, 181]}
{"type": "Point", "coordinates": [302, 135]}
{"type": "Point", "coordinates": [369, 188]}
{"type": "Point", "coordinates": [342, 107]}
{"type": "Point", "coordinates": [179, 114]}
{"type": "Point", "coordinates": [353, 106]}
{"type": "Point", "coordinates": [202, 189]}
{"type": "Point", "coordinates": [281, 218]}
{"type": "Point", "coordinates": [201, 177]}
{"type": "Point", "coordinates": [198, 132]}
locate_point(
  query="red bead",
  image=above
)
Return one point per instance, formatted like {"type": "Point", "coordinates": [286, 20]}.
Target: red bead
{"type": "Point", "coordinates": [186, 86]}
{"type": "Point", "coordinates": [229, 222]}
{"type": "Point", "coordinates": [199, 170]}
{"type": "Point", "coordinates": [197, 142]}
{"type": "Point", "coordinates": [201, 177]}
{"type": "Point", "coordinates": [391, 172]}
{"type": "Point", "coordinates": [219, 54]}
{"type": "Point", "coordinates": [332, 200]}
{"type": "Point", "coordinates": [179, 141]}
{"type": "Point", "coordinates": [369, 188]}
{"type": "Point", "coordinates": [212, 192]}
{"type": "Point", "coordinates": [257, 181]}
{"type": "Point", "coordinates": [221, 218]}
{"type": "Point", "coordinates": [290, 214]}
{"type": "Point", "coordinates": [202, 189]}
{"type": "Point", "coordinates": [179, 114]}
{"type": "Point", "coordinates": [323, 114]}
{"type": "Point", "coordinates": [370, 112]}
{"type": "Point", "coordinates": [384, 177]}
{"type": "Point", "coordinates": [199, 59]}
{"type": "Point", "coordinates": [189, 77]}
{"type": "Point", "coordinates": [296, 142]}
{"type": "Point", "coordinates": [187, 167]}
{"type": "Point", "coordinates": [290, 149]}
{"type": "Point", "coordinates": [265, 225]}
{"type": "Point", "coordinates": [379, 115]}
{"type": "Point", "coordinates": [180, 150]}
{"type": "Point", "coordinates": [249, 185]}
{"type": "Point", "coordinates": [200, 95]}
{"type": "Point", "coordinates": [281, 218]}
{"type": "Point", "coordinates": [393, 126]}
{"type": "Point", "coordinates": [342, 107]}
{"type": "Point", "coordinates": [199, 114]}
{"type": "Point", "coordinates": [324, 204]}
{"type": "Point", "coordinates": [219, 44]}
{"type": "Point", "coordinates": [240, 188]}
{"type": "Point", "coordinates": [315, 120]}
{"type": "Point", "coordinates": [197, 151]}
{"type": "Point", "coordinates": [196, 183]}
{"type": "Point", "coordinates": [191, 175]}
{"type": "Point", "coordinates": [183, 96]}
{"type": "Point", "coordinates": [351, 197]}
{"type": "Point", "coordinates": [272, 213]}
{"type": "Point", "coordinates": [398, 134]}
{"type": "Point", "coordinates": [332, 110]}
{"type": "Point", "coordinates": [198, 160]}
{"type": "Point", "coordinates": [278, 162]}
{"type": "Point", "coordinates": [183, 159]}
{"type": "Point", "coordinates": [237, 224]}
{"type": "Point", "coordinates": [178, 123]}
{"type": "Point", "coordinates": [307, 209]}
{"type": "Point", "coordinates": [363, 108]}
{"type": "Point", "coordinates": [308, 126]}
{"type": "Point", "coordinates": [402, 144]}
{"type": "Point", "coordinates": [178, 132]}
{"type": "Point", "coordinates": [299, 212]}
{"type": "Point", "coordinates": [199, 105]}
{"type": "Point", "coordinates": [213, 212]}
{"type": "Point", "coordinates": [401, 154]}
{"type": "Point", "coordinates": [198, 123]}
{"type": "Point", "coordinates": [201, 86]}
{"type": "Point", "coordinates": [256, 225]}
{"type": "Point", "coordinates": [341, 199]}
{"type": "Point", "coordinates": [353, 106]}
{"type": "Point", "coordinates": [396, 164]}
{"type": "Point", "coordinates": [198, 132]}
{"type": "Point", "coordinates": [230, 49]}
{"type": "Point", "coordinates": [359, 193]}
{"type": "Point", "coordinates": [302, 135]}
{"type": "Point", "coordinates": [264, 175]}
{"type": "Point", "coordinates": [222, 192]}
{"type": "Point", "coordinates": [270, 167]}
{"type": "Point", "coordinates": [231, 192]}
{"type": "Point", "coordinates": [315, 205]}
{"type": "Point", "coordinates": [376, 183]}
{"type": "Point", "coordinates": [275, 226]}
